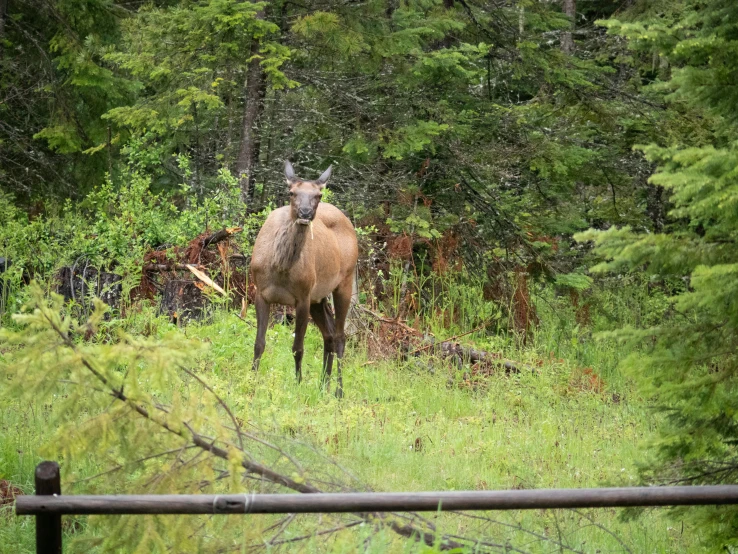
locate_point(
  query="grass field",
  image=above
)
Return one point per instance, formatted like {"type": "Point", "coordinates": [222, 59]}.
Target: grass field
{"type": "Point", "coordinates": [415, 425]}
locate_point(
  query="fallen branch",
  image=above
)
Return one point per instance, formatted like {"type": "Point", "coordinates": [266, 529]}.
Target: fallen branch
{"type": "Point", "coordinates": [166, 267]}
{"type": "Point", "coordinates": [383, 319]}
{"type": "Point", "coordinates": [430, 345]}
{"type": "Point", "coordinates": [205, 279]}
{"type": "Point", "coordinates": [223, 234]}
{"type": "Point", "coordinates": [471, 355]}
{"type": "Point", "coordinates": [309, 535]}
{"type": "Point", "coordinates": [450, 349]}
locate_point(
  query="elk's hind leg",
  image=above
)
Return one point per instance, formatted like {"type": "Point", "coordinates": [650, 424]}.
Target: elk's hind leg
{"type": "Point", "coordinates": [323, 318]}
{"type": "Point", "coordinates": [262, 322]}
{"type": "Point", "coordinates": [342, 303]}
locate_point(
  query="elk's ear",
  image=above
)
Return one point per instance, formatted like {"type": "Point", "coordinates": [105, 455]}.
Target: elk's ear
{"type": "Point", "coordinates": [289, 173]}
{"type": "Point", "coordinates": [323, 179]}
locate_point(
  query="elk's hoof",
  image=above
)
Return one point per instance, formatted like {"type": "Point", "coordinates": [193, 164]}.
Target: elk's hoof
{"type": "Point", "coordinates": [339, 392]}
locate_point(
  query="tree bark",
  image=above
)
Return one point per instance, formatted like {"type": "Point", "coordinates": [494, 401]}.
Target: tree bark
{"type": "Point", "coordinates": [655, 206]}
{"type": "Point", "coordinates": [254, 104]}
{"type": "Point", "coordinates": [569, 8]}
{"type": "Point", "coordinates": [3, 11]}
{"type": "Point", "coordinates": [521, 21]}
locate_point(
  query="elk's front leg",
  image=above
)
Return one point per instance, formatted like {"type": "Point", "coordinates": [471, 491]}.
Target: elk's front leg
{"type": "Point", "coordinates": [302, 312]}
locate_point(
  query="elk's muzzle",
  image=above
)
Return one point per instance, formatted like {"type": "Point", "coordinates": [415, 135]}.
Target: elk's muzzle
{"type": "Point", "coordinates": [304, 217]}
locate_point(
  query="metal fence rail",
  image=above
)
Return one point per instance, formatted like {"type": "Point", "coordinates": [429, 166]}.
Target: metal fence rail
{"type": "Point", "coordinates": [49, 505]}
{"type": "Point", "coordinates": [376, 501]}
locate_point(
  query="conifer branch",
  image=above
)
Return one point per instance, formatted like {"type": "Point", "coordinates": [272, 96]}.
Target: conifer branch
{"type": "Point", "coordinates": [196, 438]}
{"type": "Point", "coordinates": [202, 442]}
{"type": "Point", "coordinates": [140, 460]}
{"type": "Point", "coordinates": [220, 401]}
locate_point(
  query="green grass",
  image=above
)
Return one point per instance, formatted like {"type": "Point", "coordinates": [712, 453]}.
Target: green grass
{"type": "Point", "coordinates": [539, 429]}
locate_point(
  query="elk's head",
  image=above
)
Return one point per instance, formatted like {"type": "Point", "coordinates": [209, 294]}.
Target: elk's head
{"type": "Point", "coordinates": [304, 195]}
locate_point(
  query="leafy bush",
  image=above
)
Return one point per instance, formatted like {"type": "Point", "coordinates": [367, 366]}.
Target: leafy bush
{"type": "Point", "coordinates": [116, 224]}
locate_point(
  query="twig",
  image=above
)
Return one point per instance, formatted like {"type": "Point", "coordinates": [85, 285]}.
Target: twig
{"type": "Point", "coordinates": [287, 521]}
{"type": "Point", "coordinates": [304, 537]}
{"type": "Point", "coordinates": [603, 528]}
{"type": "Point", "coordinates": [220, 401]}
{"type": "Point", "coordinates": [517, 528]}
{"type": "Point", "coordinates": [387, 320]}
{"type": "Point", "coordinates": [167, 267]}
{"type": "Point", "coordinates": [140, 460]}
{"type": "Point", "coordinates": [426, 347]}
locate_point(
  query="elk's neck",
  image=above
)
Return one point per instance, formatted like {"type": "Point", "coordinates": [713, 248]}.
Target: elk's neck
{"type": "Point", "coordinates": [289, 244]}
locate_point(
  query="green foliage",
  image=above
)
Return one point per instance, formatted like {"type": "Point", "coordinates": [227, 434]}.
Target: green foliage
{"type": "Point", "coordinates": [77, 375]}
{"type": "Point", "coordinates": [189, 60]}
{"type": "Point", "coordinates": [457, 125]}
{"type": "Point", "coordinates": [575, 281]}
{"type": "Point", "coordinates": [54, 88]}
{"type": "Point", "coordinates": [554, 432]}
{"type": "Point", "coordinates": [687, 360]}
{"type": "Point", "coordinates": [116, 224]}
{"type": "Point", "coordinates": [412, 138]}
{"type": "Point", "coordinates": [699, 43]}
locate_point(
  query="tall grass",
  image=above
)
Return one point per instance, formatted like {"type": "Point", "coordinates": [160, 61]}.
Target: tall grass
{"type": "Point", "coordinates": [418, 425]}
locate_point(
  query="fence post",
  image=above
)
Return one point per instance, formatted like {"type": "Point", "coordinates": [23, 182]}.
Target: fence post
{"type": "Point", "coordinates": [48, 526]}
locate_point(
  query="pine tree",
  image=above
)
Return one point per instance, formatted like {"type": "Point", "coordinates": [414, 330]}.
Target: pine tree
{"type": "Point", "coordinates": [54, 86]}
{"type": "Point", "coordinates": [689, 361]}
{"type": "Point", "coordinates": [191, 61]}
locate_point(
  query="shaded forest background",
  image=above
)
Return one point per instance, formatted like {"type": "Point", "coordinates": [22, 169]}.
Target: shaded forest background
{"type": "Point", "coordinates": [520, 143]}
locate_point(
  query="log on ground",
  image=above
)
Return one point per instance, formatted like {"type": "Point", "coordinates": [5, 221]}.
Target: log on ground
{"type": "Point", "coordinates": [183, 301]}
{"type": "Point", "coordinates": [80, 282]}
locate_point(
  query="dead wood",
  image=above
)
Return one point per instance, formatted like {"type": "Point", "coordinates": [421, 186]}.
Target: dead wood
{"type": "Point", "coordinates": [206, 279]}
{"type": "Point", "coordinates": [466, 354]}
{"type": "Point", "coordinates": [447, 349]}
{"type": "Point", "coordinates": [183, 301]}
{"type": "Point", "coordinates": [430, 344]}
{"type": "Point", "coordinates": [220, 235]}
{"type": "Point", "coordinates": [166, 267]}
{"type": "Point", "coordinates": [8, 492]}
{"type": "Point", "coordinates": [396, 321]}
{"type": "Point", "coordinates": [80, 281]}
{"type": "Point", "coordinates": [223, 268]}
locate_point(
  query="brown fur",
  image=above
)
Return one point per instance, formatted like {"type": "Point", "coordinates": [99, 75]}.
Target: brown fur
{"type": "Point", "coordinates": [295, 265]}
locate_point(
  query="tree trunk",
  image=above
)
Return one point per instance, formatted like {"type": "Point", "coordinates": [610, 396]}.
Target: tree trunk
{"type": "Point", "coordinates": [655, 206]}
{"type": "Point", "coordinates": [521, 21]}
{"type": "Point", "coordinates": [183, 301]}
{"type": "Point", "coordinates": [3, 11]}
{"type": "Point", "coordinates": [567, 40]}
{"type": "Point", "coordinates": [254, 100]}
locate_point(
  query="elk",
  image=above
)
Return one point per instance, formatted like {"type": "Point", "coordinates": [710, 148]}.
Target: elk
{"type": "Point", "coordinates": [303, 253]}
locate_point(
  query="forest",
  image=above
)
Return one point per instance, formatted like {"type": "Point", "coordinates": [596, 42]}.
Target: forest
{"type": "Point", "coordinates": [543, 194]}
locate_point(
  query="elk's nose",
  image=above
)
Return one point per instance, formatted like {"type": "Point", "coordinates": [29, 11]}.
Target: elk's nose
{"type": "Point", "coordinates": [304, 213]}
